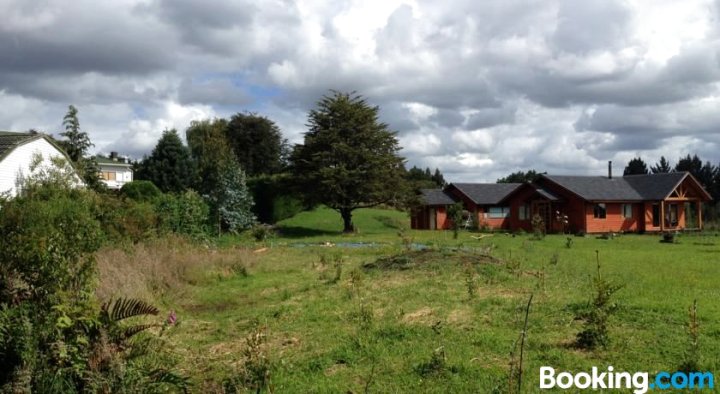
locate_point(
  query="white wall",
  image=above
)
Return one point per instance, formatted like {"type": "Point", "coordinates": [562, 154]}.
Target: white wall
{"type": "Point", "coordinates": [17, 163]}
{"type": "Point", "coordinates": [123, 175]}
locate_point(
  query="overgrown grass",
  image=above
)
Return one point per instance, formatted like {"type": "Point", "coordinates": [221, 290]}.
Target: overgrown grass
{"type": "Point", "coordinates": [417, 329]}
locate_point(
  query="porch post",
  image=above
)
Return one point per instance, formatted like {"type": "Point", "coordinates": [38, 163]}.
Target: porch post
{"type": "Point", "coordinates": [662, 215]}
{"type": "Point", "coordinates": [699, 213]}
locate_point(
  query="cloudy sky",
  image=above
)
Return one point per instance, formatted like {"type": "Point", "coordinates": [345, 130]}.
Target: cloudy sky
{"type": "Point", "coordinates": [476, 88]}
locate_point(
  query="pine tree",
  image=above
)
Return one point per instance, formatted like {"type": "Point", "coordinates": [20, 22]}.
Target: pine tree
{"type": "Point", "coordinates": [663, 166]}
{"type": "Point", "coordinates": [231, 201]}
{"type": "Point", "coordinates": [348, 159]}
{"type": "Point", "coordinates": [169, 166]}
{"type": "Point", "coordinates": [636, 166]}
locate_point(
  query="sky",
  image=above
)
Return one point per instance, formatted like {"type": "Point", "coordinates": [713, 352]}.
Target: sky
{"type": "Point", "coordinates": [478, 89]}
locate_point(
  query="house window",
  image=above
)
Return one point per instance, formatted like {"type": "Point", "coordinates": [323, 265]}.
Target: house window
{"type": "Point", "coordinates": [627, 211]}
{"type": "Point", "coordinates": [498, 212]}
{"type": "Point", "coordinates": [600, 212]}
{"type": "Point", "coordinates": [524, 212]}
{"type": "Point", "coordinates": [107, 175]}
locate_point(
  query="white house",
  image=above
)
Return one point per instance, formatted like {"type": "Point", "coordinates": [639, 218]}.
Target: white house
{"type": "Point", "coordinates": [18, 151]}
{"type": "Point", "coordinates": [115, 171]}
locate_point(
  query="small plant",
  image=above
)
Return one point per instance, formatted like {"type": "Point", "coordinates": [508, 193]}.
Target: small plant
{"type": "Point", "coordinates": [437, 365]}
{"type": "Point", "coordinates": [595, 328]}
{"type": "Point", "coordinates": [261, 232]}
{"type": "Point", "coordinates": [691, 359]}
{"type": "Point", "coordinates": [568, 242]}
{"type": "Point", "coordinates": [517, 355]}
{"type": "Point", "coordinates": [407, 241]}
{"type": "Point", "coordinates": [256, 366]}
{"type": "Point", "coordinates": [455, 213]}
{"type": "Point", "coordinates": [668, 237]}
{"type": "Point", "coordinates": [563, 220]}
{"type": "Point", "coordinates": [470, 281]}
{"type": "Point", "coordinates": [538, 226]}
{"type": "Point", "coordinates": [554, 259]}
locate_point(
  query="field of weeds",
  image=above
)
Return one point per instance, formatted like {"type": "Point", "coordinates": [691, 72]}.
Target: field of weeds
{"type": "Point", "coordinates": [395, 310]}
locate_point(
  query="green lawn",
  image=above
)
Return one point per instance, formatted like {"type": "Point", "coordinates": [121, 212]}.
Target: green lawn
{"type": "Point", "coordinates": [378, 329]}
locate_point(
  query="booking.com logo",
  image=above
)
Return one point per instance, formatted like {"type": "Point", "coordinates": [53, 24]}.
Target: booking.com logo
{"type": "Point", "coordinates": [639, 381]}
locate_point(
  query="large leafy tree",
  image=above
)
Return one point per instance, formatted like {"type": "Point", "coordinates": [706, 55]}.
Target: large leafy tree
{"type": "Point", "coordinates": [636, 166]}
{"type": "Point", "coordinates": [662, 166]}
{"type": "Point", "coordinates": [349, 159]}
{"type": "Point", "coordinates": [257, 143]}
{"type": "Point", "coordinates": [221, 179]}
{"type": "Point", "coordinates": [169, 166]}
{"type": "Point", "coordinates": [424, 179]}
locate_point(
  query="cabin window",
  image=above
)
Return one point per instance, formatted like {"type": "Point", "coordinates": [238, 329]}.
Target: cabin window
{"type": "Point", "coordinates": [627, 211]}
{"type": "Point", "coordinates": [498, 212]}
{"type": "Point", "coordinates": [524, 212]}
{"type": "Point", "coordinates": [600, 212]}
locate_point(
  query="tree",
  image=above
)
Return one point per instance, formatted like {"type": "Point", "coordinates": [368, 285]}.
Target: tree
{"type": "Point", "coordinates": [520, 177]}
{"type": "Point", "coordinates": [257, 143]}
{"type": "Point", "coordinates": [348, 159]}
{"type": "Point", "coordinates": [210, 151]}
{"type": "Point", "coordinates": [661, 167]}
{"type": "Point", "coordinates": [169, 166]}
{"type": "Point", "coordinates": [420, 179]}
{"type": "Point", "coordinates": [76, 145]}
{"type": "Point", "coordinates": [636, 166]}
{"type": "Point", "coordinates": [231, 201]}
{"type": "Point", "coordinates": [77, 142]}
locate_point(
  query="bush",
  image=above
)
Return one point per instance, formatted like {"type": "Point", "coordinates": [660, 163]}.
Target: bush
{"type": "Point", "coordinates": [273, 202]}
{"type": "Point", "coordinates": [143, 191]}
{"type": "Point", "coordinates": [185, 213]}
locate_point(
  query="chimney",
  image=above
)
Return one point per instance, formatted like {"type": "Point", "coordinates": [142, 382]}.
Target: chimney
{"type": "Point", "coordinates": [114, 156]}
{"type": "Point", "coordinates": [609, 169]}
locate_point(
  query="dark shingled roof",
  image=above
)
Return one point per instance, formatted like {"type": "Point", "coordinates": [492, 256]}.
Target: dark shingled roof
{"type": "Point", "coordinates": [626, 188]}
{"type": "Point", "coordinates": [436, 197]}
{"type": "Point", "coordinates": [486, 193]}
{"type": "Point", "coordinates": [9, 140]}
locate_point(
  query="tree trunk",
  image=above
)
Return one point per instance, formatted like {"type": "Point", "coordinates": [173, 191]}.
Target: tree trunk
{"type": "Point", "coordinates": [346, 214]}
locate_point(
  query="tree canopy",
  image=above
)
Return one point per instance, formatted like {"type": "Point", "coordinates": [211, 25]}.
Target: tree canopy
{"type": "Point", "coordinates": [169, 166]}
{"type": "Point", "coordinates": [520, 177]}
{"type": "Point", "coordinates": [663, 166]}
{"type": "Point", "coordinates": [636, 166]}
{"type": "Point", "coordinates": [424, 179]}
{"type": "Point", "coordinates": [257, 143]}
{"type": "Point", "coordinates": [348, 159]}
{"type": "Point", "coordinates": [76, 144]}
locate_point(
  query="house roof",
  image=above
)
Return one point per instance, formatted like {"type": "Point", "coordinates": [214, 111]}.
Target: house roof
{"type": "Point", "coordinates": [10, 141]}
{"type": "Point", "coordinates": [110, 162]}
{"type": "Point", "coordinates": [626, 188]}
{"type": "Point", "coordinates": [436, 197]}
{"type": "Point", "coordinates": [486, 193]}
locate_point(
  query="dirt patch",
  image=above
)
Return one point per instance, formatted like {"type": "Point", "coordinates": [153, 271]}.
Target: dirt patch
{"type": "Point", "coordinates": [420, 258]}
{"type": "Point", "coordinates": [421, 316]}
{"type": "Point", "coordinates": [460, 316]}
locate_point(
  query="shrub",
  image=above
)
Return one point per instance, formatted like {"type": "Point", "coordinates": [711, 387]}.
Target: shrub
{"type": "Point", "coordinates": [143, 191]}
{"type": "Point", "coordinates": [538, 226]}
{"type": "Point", "coordinates": [262, 232]}
{"type": "Point", "coordinates": [185, 213]}
{"type": "Point", "coordinates": [595, 328]}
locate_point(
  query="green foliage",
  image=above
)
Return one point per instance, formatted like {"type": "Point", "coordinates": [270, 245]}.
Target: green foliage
{"type": "Point", "coordinates": [595, 331]}
{"type": "Point", "coordinates": [520, 177]}
{"type": "Point", "coordinates": [424, 179]}
{"type": "Point", "coordinates": [274, 198]}
{"type": "Point", "coordinates": [77, 141]}
{"type": "Point", "coordinates": [231, 202]}
{"type": "Point", "coordinates": [185, 213]}
{"type": "Point", "coordinates": [348, 159]}
{"type": "Point", "coordinates": [141, 191]}
{"type": "Point", "coordinates": [455, 213]}
{"type": "Point", "coordinates": [169, 166]}
{"type": "Point", "coordinates": [636, 166]}
{"type": "Point", "coordinates": [46, 177]}
{"type": "Point", "coordinates": [211, 152]}
{"type": "Point", "coordinates": [663, 166]}
{"type": "Point", "coordinates": [257, 143]}
{"type": "Point", "coordinates": [691, 358]}
{"type": "Point", "coordinates": [262, 232]}
{"type": "Point", "coordinates": [538, 226]}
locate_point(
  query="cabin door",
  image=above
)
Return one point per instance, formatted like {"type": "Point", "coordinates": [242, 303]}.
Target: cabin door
{"type": "Point", "coordinates": [542, 208]}
{"type": "Point", "coordinates": [432, 218]}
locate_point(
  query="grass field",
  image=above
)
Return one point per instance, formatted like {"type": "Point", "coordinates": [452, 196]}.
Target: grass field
{"type": "Point", "coordinates": [330, 325]}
